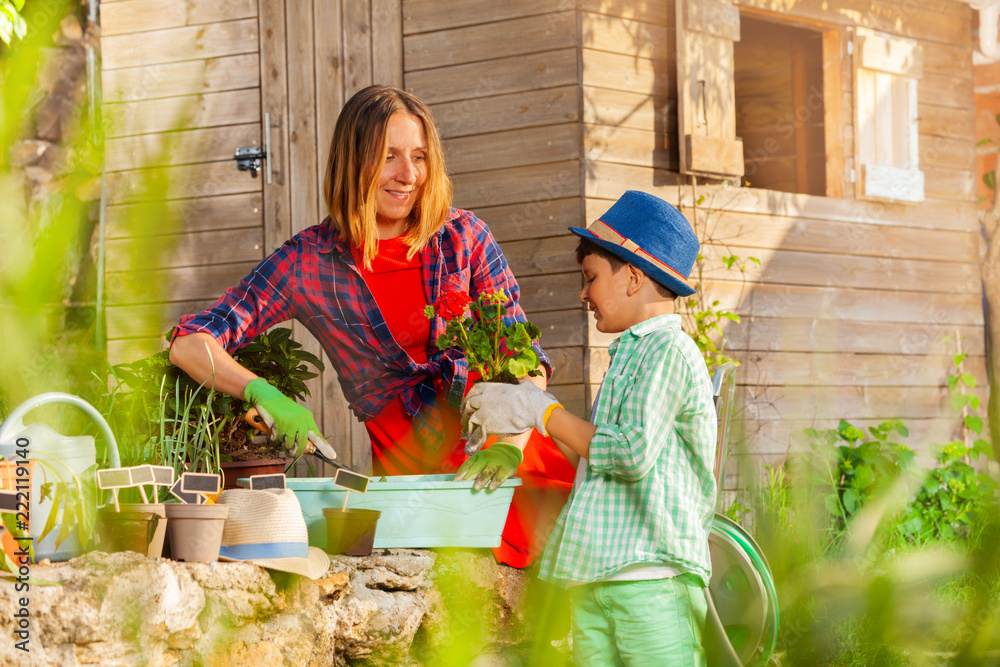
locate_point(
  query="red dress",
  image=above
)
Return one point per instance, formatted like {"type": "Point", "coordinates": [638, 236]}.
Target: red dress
{"type": "Point", "coordinates": [547, 477]}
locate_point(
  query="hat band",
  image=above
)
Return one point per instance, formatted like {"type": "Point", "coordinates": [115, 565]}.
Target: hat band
{"type": "Point", "coordinates": [265, 550]}
{"type": "Point", "coordinates": [605, 232]}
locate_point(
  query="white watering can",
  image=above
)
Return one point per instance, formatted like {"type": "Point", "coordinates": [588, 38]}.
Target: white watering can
{"type": "Point", "coordinates": [57, 458]}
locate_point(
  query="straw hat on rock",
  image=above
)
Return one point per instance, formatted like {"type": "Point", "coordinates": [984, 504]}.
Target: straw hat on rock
{"type": "Point", "coordinates": [266, 528]}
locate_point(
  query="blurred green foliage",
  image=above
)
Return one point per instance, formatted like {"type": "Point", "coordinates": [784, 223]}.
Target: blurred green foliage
{"type": "Point", "coordinates": [12, 24]}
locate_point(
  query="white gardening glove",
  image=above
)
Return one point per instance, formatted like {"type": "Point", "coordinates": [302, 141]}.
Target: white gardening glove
{"type": "Point", "coordinates": [503, 409]}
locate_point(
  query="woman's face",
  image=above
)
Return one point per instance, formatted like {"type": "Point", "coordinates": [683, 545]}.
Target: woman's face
{"type": "Point", "coordinates": [403, 174]}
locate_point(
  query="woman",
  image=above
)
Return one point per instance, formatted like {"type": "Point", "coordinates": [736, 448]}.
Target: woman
{"type": "Point", "coordinates": [360, 281]}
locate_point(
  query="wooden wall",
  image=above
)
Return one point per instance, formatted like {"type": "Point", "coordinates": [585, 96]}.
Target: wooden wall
{"type": "Point", "coordinates": [549, 110]}
{"type": "Point", "coordinates": [183, 89]}
{"type": "Point", "coordinates": [502, 80]}
{"type": "Point", "coordinates": [848, 313]}
{"type": "Point", "coordinates": [987, 97]}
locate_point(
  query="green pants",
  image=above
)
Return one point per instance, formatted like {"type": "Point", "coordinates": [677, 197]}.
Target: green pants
{"type": "Point", "coordinates": [656, 622]}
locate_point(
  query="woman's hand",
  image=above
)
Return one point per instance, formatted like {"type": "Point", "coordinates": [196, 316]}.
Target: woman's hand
{"type": "Point", "coordinates": [200, 356]}
{"type": "Point", "coordinates": [492, 466]}
{"type": "Point", "coordinates": [291, 423]}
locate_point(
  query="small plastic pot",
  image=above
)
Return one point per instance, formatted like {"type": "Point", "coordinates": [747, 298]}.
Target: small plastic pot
{"type": "Point", "coordinates": [159, 509]}
{"type": "Point", "coordinates": [196, 531]}
{"type": "Point", "coordinates": [350, 531]}
{"type": "Point", "coordinates": [125, 530]}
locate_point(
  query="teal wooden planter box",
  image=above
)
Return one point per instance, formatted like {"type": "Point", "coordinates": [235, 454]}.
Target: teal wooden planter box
{"type": "Point", "coordinates": [418, 511]}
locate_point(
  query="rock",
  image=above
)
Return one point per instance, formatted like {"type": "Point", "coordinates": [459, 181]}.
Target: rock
{"type": "Point", "coordinates": [126, 609]}
{"type": "Point", "coordinates": [38, 175]}
{"type": "Point", "coordinates": [70, 29]}
{"type": "Point", "coordinates": [395, 607]}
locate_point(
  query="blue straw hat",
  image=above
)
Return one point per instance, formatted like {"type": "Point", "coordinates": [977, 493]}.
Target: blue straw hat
{"type": "Point", "coordinates": [650, 234]}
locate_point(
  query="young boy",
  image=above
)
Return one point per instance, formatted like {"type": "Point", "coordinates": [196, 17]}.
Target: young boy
{"type": "Point", "coordinates": [632, 541]}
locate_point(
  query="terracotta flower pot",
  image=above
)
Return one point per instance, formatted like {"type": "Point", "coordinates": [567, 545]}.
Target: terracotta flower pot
{"type": "Point", "coordinates": [234, 470]}
{"type": "Point", "coordinates": [350, 531]}
{"type": "Point", "coordinates": [125, 530]}
{"type": "Point", "coordinates": [196, 531]}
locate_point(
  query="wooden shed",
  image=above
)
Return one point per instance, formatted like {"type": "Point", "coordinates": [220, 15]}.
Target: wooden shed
{"type": "Point", "coordinates": [834, 141]}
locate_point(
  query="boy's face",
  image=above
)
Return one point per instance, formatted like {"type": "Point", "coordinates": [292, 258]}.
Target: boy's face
{"type": "Point", "coordinates": [605, 293]}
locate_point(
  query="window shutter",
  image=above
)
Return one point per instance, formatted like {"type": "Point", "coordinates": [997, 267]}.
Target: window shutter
{"type": "Point", "coordinates": [706, 30]}
{"type": "Point", "coordinates": [886, 73]}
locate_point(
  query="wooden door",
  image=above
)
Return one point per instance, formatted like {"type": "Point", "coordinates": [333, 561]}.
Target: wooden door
{"type": "Point", "coordinates": [185, 85]}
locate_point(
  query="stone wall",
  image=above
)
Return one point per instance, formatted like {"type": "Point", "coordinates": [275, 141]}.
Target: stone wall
{"type": "Point", "coordinates": [388, 608]}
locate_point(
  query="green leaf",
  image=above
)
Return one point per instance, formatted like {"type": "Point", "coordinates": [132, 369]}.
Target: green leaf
{"type": "Point", "coordinates": [50, 523]}
{"type": "Point", "coordinates": [848, 432]}
{"type": "Point", "coordinates": [959, 358]}
{"type": "Point", "coordinates": [913, 525]}
{"type": "Point", "coordinates": [17, 23]}
{"type": "Point", "coordinates": [520, 365]}
{"type": "Point", "coordinates": [863, 477]}
{"type": "Point", "coordinates": [728, 261]}
{"type": "Point", "coordinates": [6, 27]}
{"type": "Point", "coordinates": [983, 142]}
{"type": "Point", "coordinates": [982, 447]}
{"type": "Point", "coordinates": [850, 501]}
{"type": "Point", "coordinates": [974, 423]}
{"type": "Point", "coordinates": [990, 179]}
{"type": "Point", "coordinates": [754, 260]}
{"type": "Point", "coordinates": [969, 380]}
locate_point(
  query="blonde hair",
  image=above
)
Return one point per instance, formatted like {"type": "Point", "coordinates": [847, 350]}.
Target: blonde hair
{"type": "Point", "coordinates": [357, 155]}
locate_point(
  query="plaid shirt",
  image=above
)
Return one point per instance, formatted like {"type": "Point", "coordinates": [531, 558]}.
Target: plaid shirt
{"type": "Point", "coordinates": [314, 279]}
{"type": "Point", "coordinates": [648, 492]}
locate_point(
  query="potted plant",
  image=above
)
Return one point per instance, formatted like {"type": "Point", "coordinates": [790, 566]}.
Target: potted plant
{"type": "Point", "coordinates": [174, 420]}
{"type": "Point", "coordinates": [276, 357]}
{"type": "Point", "coordinates": [497, 351]}
{"type": "Point", "coordinates": [128, 530]}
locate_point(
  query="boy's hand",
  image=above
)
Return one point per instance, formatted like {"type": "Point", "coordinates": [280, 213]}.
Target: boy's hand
{"type": "Point", "coordinates": [496, 408]}
{"type": "Point", "coordinates": [492, 466]}
{"type": "Point", "coordinates": [288, 420]}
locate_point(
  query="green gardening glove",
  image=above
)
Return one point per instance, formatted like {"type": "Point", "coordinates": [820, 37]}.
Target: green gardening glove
{"type": "Point", "coordinates": [289, 422]}
{"type": "Point", "coordinates": [492, 466]}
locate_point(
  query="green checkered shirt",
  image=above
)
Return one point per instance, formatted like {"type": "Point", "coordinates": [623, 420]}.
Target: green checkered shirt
{"type": "Point", "coordinates": [648, 494]}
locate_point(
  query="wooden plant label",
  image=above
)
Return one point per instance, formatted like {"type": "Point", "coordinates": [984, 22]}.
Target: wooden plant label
{"type": "Point", "coordinates": [275, 481]}
{"type": "Point", "coordinates": [351, 481]}
{"type": "Point", "coordinates": [9, 502]}
{"type": "Point", "coordinates": [162, 475]}
{"type": "Point", "coordinates": [189, 498]}
{"type": "Point", "coordinates": [200, 482]}
{"type": "Point", "coordinates": [114, 478]}
{"type": "Point", "coordinates": [142, 474]}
